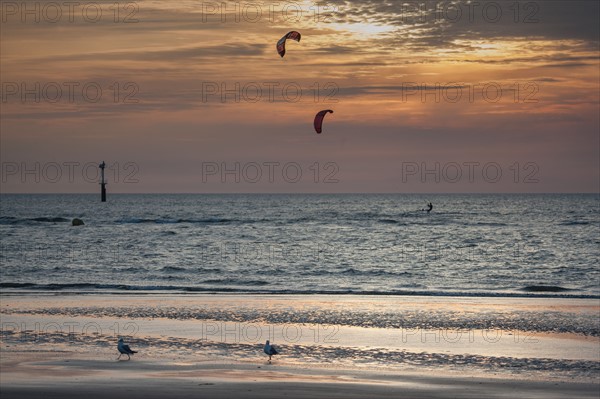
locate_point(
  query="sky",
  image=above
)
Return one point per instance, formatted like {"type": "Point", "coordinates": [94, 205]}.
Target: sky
{"type": "Point", "coordinates": [192, 97]}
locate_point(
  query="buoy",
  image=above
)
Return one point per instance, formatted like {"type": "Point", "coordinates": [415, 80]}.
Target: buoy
{"type": "Point", "coordinates": [77, 222]}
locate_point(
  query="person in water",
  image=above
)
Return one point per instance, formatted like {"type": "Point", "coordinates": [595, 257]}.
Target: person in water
{"type": "Point", "coordinates": [429, 207]}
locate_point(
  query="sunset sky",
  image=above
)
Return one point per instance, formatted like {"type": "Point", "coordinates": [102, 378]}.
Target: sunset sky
{"type": "Point", "coordinates": [375, 63]}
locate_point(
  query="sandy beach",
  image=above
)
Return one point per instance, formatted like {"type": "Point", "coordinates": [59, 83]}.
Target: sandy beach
{"type": "Point", "coordinates": [65, 346]}
{"type": "Point", "coordinates": [33, 374]}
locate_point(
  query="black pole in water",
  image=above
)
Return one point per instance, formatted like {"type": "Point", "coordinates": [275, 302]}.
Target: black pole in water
{"type": "Point", "coordinates": [102, 182]}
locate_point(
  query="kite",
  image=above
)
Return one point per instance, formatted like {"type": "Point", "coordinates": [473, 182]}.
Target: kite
{"type": "Point", "coordinates": [319, 119]}
{"type": "Point", "coordinates": [281, 43]}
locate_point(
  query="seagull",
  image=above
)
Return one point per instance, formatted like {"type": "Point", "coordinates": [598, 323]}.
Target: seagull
{"type": "Point", "coordinates": [124, 349]}
{"type": "Point", "coordinates": [270, 350]}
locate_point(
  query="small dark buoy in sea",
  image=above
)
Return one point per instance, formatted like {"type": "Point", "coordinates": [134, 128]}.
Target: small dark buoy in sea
{"type": "Point", "coordinates": [77, 222]}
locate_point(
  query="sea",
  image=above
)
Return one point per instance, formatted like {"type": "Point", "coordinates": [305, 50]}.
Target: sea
{"type": "Point", "coordinates": [479, 245]}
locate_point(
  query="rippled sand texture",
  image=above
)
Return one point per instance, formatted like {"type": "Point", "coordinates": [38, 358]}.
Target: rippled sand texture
{"type": "Point", "coordinates": [337, 342]}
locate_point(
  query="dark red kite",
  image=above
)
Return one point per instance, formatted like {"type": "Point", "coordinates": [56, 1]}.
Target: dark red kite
{"type": "Point", "coordinates": [281, 43]}
{"type": "Point", "coordinates": [319, 119]}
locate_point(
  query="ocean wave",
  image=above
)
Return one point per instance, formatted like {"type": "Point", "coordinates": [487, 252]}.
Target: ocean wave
{"type": "Point", "coordinates": [177, 221]}
{"type": "Point", "coordinates": [51, 220]}
{"type": "Point", "coordinates": [134, 269]}
{"type": "Point", "coordinates": [300, 220]}
{"type": "Point", "coordinates": [193, 270]}
{"type": "Point", "coordinates": [545, 288]}
{"type": "Point", "coordinates": [14, 220]}
{"type": "Point", "coordinates": [390, 221]}
{"type": "Point", "coordinates": [574, 223]}
{"type": "Point", "coordinates": [230, 281]}
{"type": "Point", "coordinates": [355, 272]}
{"type": "Point", "coordinates": [491, 224]}
{"type": "Point", "coordinates": [174, 269]}
{"type": "Point", "coordinates": [235, 288]}
{"type": "Point", "coordinates": [18, 285]}
{"type": "Point", "coordinates": [58, 287]}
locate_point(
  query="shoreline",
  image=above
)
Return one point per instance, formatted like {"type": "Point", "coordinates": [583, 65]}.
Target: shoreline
{"type": "Point", "coordinates": [9, 290]}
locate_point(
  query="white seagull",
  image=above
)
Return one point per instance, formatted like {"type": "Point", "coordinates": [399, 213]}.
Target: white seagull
{"type": "Point", "coordinates": [270, 350]}
{"type": "Point", "coordinates": [124, 349]}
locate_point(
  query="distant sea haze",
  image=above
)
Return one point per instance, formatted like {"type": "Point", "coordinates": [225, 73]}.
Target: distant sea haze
{"type": "Point", "coordinates": [468, 245]}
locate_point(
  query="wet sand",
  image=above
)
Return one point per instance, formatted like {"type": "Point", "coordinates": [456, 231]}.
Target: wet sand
{"type": "Point", "coordinates": [63, 346]}
{"type": "Point", "coordinates": [67, 375]}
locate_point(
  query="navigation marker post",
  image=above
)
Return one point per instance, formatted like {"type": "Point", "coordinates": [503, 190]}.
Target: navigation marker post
{"type": "Point", "coordinates": [102, 182]}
